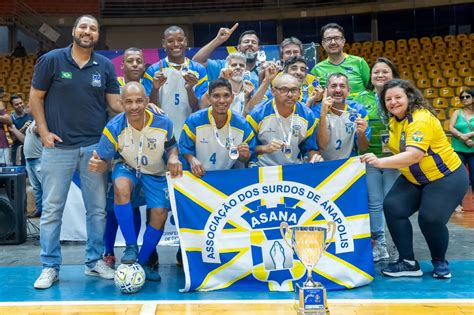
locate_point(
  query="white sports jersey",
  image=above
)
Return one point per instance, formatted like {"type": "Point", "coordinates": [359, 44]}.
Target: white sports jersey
{"type": "Point", "coordinates": [200, 140]}
{"type": "Point", "coordinates": [120, 140]}
{"type": "Point", "coordinates": [238, 104]}
{"type": "Point", "coordinates": [265, 125]}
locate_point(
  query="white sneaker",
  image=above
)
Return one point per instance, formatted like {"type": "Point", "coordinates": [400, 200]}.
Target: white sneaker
{"type": "Point", "coordinates": [380, 252]}
{"type": "Point", "coordinates": [100, 270]}
{"type": "Point", "coordinates": [46, 279]}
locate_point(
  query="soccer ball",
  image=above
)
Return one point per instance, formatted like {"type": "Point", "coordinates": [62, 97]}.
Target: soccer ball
{"type": "Point", "coordinates": [129, 278]}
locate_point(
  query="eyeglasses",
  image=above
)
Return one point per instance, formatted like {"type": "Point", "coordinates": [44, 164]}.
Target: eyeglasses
{"type": "Point", "coordinates": [285, 90]}
{"type": "Point", "coordinates": [334, 38]}
{"type": "Point", "coordinates": [465, 97]}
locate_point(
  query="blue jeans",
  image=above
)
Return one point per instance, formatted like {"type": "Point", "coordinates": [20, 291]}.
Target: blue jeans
{"type": "Point", "coordinates": [33, 167]}
{"type": "Point", "coordinates": [379, 183]}
{"type": "Point", "coordinates": [58, 167]}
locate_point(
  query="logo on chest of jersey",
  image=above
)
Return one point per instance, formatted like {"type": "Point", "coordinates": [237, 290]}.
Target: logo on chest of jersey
{"type": "Point", "coordinates": [295, 130]}
{"type": "Point", "coordinates": [203, 141]}
{"type": "Point", "coordinates": [96, 80]}
{"type": "Point", "coordinates": [151, 143]}
{"type": "Point", "coordinates": [349, 69]}
{"type": "Point", "coordinates": [350, 127]}
{"type": "Point", "coordinates": [269, 129]}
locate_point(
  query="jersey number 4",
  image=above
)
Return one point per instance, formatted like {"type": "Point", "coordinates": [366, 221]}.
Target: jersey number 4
{"type": "Point", "coordinates": [213, 158]}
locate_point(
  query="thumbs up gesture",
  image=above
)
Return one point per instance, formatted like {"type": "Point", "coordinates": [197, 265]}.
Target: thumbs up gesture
{"type": "Point", "coordinates": [96, 164]}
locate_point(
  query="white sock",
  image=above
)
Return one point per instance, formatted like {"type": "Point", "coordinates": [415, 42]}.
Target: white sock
{"type": "Point", "coordinates": [411, 262]}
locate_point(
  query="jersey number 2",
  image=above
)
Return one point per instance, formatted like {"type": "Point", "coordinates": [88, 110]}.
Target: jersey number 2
{"type": "Point", "coordinates": [338, 144]}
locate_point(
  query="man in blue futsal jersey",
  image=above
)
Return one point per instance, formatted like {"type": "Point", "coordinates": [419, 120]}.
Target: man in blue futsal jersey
{"type": "Point", "coordinates": [284, 127]}
{"type": "Point", "coordinates": [216, 138]}
{"type": "Point", "coordinates": [139, 139]}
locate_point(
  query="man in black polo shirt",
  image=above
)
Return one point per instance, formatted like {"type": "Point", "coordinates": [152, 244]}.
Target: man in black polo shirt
{"type": "Point", "coordinates": [71, 90]}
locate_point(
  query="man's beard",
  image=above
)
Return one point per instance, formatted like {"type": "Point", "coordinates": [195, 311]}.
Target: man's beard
{"type": "Point", "coordinates": [237, 78]}
{"type": "Point", "coordinates": [77, 40]}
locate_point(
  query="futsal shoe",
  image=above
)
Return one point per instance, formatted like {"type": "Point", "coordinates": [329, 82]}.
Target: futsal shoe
{"type": "Point", "coordinates": [130, 254]}
{"type": "Point", "coordinates": [47, 278]}
{"type": "Point", "coordinates": [151, 273]}
{"type": "Point", "coordinates": [100, 270]}
{"type": "Point", "coordinates": [402, 268]}
{"type": "Point", "coordinates": [441, 269]}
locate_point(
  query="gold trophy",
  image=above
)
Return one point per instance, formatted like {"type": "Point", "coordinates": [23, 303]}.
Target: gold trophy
{"type": "Point", "coordinates": [308, 243]}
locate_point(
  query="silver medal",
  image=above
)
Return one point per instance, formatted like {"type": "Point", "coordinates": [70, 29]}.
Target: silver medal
{"type": "Point", "coordinates": [233, 153]}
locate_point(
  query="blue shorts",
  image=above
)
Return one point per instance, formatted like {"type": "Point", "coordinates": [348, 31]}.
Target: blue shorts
{"type": "Point", "coordinates": [138, 196]}
{"type": "Point", "coordinates": [154, 187]}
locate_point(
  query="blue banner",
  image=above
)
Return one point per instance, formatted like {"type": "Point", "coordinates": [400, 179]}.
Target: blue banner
{"type": "Point", "coordinates": [228, 223]}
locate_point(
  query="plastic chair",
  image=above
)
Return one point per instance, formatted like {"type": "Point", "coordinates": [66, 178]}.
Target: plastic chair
{"type": "Point", "coordinates": [410, 60]}
{"type": "Point", "coordinates": [446, 65]}
{"type": "Point", "coordinates": [432, 65]}
{"type": "Point", "coordinates": [469, 81]}
{"type": "Point", "coordinates": [437, 58]}
{"type": "Point", "coordinates": [448, 38]}
{"type": "Point", "coordinates": [13, 80]}
{"type": "Point", "coordinates": [459, 89]}
{"type": "Point", "coordinates": [13, 88]}
{"type": "Point", "coordinates": [440, 102]}
{"type": "Point", "coordinates": [451, 57]}
{"type": "Point", "coordinates": [461, 64]}
{"type": "Point", "coordinates": [424, 59]}
{"type": "Point", "coordinates": [446, 92]}
{"type": "Point", "coordinates": [418, 66]}
{"type": "Point", "coordinates": [430, 93]}
{"type": "Point", "coordinates": [449, 72]}
{"type": "Point", "coordinates": [437, 39]}
{"type": "Point", "coordinates": [451, 111]}
{"type": "Point", "coordinates": [440, 113]}
{"type": "Point", "coordinates": [425, 40]}
{"type": "Point", "coordinates": [423, 83]}
{"type": "Point", "coordinates": [439, 82]}
{"type": "Point", "coordinates": [454, 82]}
{"type": "Point", "coordinates": [456, 102]}
{"type": "Point", "coordinates": [434, 73]}
{"type": "Point", "coordinates": [419, 74]}
{"type": "Point", "coordinates": [465, 56]}
{"type": "Point", "coordinates": [464, 72]}
{"type": "Point", "coordinates": [461, 37]}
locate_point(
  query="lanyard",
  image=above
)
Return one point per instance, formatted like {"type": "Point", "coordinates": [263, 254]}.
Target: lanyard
{"type": "Point", "coordinates": [184, 67]}
{"type": "Point", "coordinates": [140, 144]}
{"type": "Point", "coordinates": [383, 117]}
{"type": "Point", "coordinates": [216, 132]}
{"type": "Point", "coordinates": [287, 136]}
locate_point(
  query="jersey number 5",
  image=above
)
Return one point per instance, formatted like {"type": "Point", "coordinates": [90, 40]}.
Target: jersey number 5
{"type": "Point", "coordinates": [176, 99]}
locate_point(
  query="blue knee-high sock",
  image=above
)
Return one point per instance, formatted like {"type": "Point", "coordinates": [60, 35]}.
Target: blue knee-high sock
{"type": "Point", "coordinates": [150, 240]}
{"type": "Point", "coordinates": [124, 215]}
{"type": "Point", "coordinates": [111, 227]}
{"type": "Point", "coordinates": [137, 220]}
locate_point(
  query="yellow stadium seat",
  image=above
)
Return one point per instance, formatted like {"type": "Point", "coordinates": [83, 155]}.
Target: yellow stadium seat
{"type": "Point", "coordinates": [414, 53]}
{"type": "Point", "coordinates": [465, 56]}
{"type": "Point", "coordinates": [471, 63]}
{"type": "Point", "coordinates": [437, 39]}
{"type": "Point", "coordinates": [6, 96]}
{"type": "Point", "coordinates": [356, 45]}
{"type": "Point", "coordinates": [460, 89]}
{"type": "Point", "coordinates": [418, 66]}
{"type": "Point", "coordinates": [434, 73]}
{"type": "Point", "coordinates": [423, 83]}
{"type": "Point", "coordinates": [25, 80]}
{"type": "Point", "coordinates": [13, 88]}
{"type": "Point", "coordinates": [464, 72]}
{"type": "Point", "coordinates": [25, 89]}
{"type": "Point", "coordinates": [456, 102]}
{"type": "Point", "coordinates": [427, 46]}
{"type": "Point", "coordinates": [378, 43]}
{"type": "Point", "coordinates": [441, 46]}
{"type": "Point", "coordinates": [451, 111]}
{"type": "Point", "coordinates": [353, 51]}
{"type": "Point", "coordinates": [461, 37]}
{"type": "Point", "coordinates": [400, 54]}
{"type": "Point", "coordinates": [446, 65]}
{"type": "Point", "coordinates": [430, 93]}
{"type": "Point", "coordinates": [439, 82]}
{"type": "Point", "coordinates": [425, 40]}
{"type": "Point", "coordinates": [437, 58]}
{"type": "Point", "coordinates": [368, 44]}
{"type": "Point", "coordinates": [17, 61]}
{"type": "Point", "coordinates": [3, 81]}
{"type": "Point", "coordinates": [440, 113]}
{"type": "Point", "coordinates": [455, 50]}
{"type": "Point", "coordinates": [15, 74]}
{"type": "Point", "coordinates": [440, 102]}
{"type": "Point", "coordinates": [451, 57]}
{"type": "Point", "coordinates": [413, 41]}
{"type": "Point", "coordinates": [446, 92]}
{"type": "Point", "coordinates": [17, 68]}
{"type": "Point", "coordinates": [449, 72]}
{"type": "Point", "coordinates": [454, 81]}
{"type": "Point", "coordinates": [461, 64]}
{"type": "Point", "coordinates": [402, 43]}
{"type": "Point", "coordinates": [432, 65]}
{"type": "Point", "coordinates": [467, 49]}
{"type": "Point", "coordinates": [469, 81]}
{"type": "Point", "coordinates": [12, 80]}
{"type": "Point", "coordinates": [404, 67]}
{"type": "Point", "coordinates": [471, 36]}
{"type": "Point", "coordinates": [6, 67]}
{"type": "Point", "coordinates": [423, 59]}
{"type": "Point", "coordinates": [378, 50]}
{"type": "Point", "coordinates": [466, 42]}
{"type": "Point", "coordinates": [28, 73]}
{"type": "Point", "coordinates": [449, 38]}
{"type": "Point", "coordinates": [410, 60]}
{"type": "Point", "coordinates": [4, 73]}
{"type": "Point", "coordinates": [406, 75]}
{"type": "Point", "coordinates": [419, 74]}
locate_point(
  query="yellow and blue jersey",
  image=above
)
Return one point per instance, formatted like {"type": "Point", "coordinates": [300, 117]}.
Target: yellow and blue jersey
{"type": "Point", "coordinates": [423, 131]}
{"type": "Point", "coordinates": [198, 138]}
{"type": "Point", "coordinates": [121, 141]}
{"type": "Point", "coordinates": [266, 127]}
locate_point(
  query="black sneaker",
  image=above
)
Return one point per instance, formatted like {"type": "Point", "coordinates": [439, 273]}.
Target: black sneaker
{"type": "Point", "coordinates": [401, 268]}
{"type": "Point", "coordinates": [441, 269]}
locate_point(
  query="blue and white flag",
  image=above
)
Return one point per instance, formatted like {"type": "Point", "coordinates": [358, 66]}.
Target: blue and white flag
{"type": "Point", "coordinates": [229, 226]}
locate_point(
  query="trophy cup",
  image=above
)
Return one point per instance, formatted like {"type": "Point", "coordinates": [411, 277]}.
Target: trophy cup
{"type": "Point", "coordinates": [308, 243]}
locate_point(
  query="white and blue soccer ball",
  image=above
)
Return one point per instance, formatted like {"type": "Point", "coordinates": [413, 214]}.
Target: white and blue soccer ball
{"type": "Point", "coordinates": [129, 278]}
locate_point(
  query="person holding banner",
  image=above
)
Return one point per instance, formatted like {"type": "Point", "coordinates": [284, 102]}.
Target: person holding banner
{"type": "Point", "coordinates": [431, 171]}
{"type": "Point", "coordinates": [284, 126]}
{"type": "Point", "coordinates": [176, 83]}
{"type": "Point", "coordinates": [379, 180]}
{"type": "Point", "coordinates": [216, 138]}
{"type": "Point", "coordinates": [140, 139]}
{"type": "Point", "coordinates": [343, 128]}
{"type": "Point", "coordinates": [248, 45]}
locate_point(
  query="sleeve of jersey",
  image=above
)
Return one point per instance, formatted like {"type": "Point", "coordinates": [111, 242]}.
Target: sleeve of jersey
{"type": "Point", "coordinates": [187, 141]}
{"type": "Point", "coordinates": [170, 139]}
{"type": "Point", "coordinates": [419, 134]}
{"type": "Point", "coordinates": [253, 121]}
{"type": "Point", "coordinates": [203, 84]}
{"type": "Point", "coordinates": [249, 137]}
{"type": "Point", "coordinates": [44, 73]}
{"type": "Point", "coordinates": [365, 72]}
{"type": "Point", "coordinates": [147, 81]}
{"type": "Point", "coordinates": [113, 86]}
{"type": "Point", "coordinates": [108, 144]}
{"type": "Point", "coordinates": [310, 141]}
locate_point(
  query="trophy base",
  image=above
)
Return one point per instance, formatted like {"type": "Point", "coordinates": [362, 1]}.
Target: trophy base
{"type": "Point", "coordinates": [312, 300]}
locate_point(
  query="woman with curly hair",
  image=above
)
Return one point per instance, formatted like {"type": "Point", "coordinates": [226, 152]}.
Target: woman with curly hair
{"type": "Point", "coordinates": [433, 180]}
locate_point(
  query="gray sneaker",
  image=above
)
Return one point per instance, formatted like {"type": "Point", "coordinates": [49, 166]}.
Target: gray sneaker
{"type": "Point", "coordinates": [46, 279]}
{"type": "Point", "coordinates": [100, 270]}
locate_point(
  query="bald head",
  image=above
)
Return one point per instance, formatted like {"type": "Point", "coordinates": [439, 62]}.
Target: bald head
{"type": "Point", "coordinates": [134, 102]}
{"type": "Point", "coordinates": [283, 79]}
{"type": "Point", "coordinates": [173, 29]}
{"type": "Point", "coordinates": [133, 88]}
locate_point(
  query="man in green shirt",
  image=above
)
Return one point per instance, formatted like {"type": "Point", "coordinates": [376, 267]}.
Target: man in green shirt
{"type": "Point", "coordinates": [355, 68]}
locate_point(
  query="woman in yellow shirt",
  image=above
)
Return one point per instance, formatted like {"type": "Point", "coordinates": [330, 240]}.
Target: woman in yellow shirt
{"type": "Point", "coordinates": [433, 181]}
